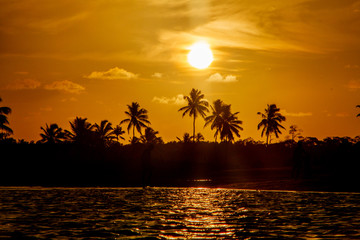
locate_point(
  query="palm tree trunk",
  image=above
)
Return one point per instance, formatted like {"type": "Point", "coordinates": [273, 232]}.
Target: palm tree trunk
{"type": "Point", "coordinates": [194, 129]}
{"type": "Point", "coordinates": [267, 139]}
{"type": "Point", "coordinates": [133, 132]}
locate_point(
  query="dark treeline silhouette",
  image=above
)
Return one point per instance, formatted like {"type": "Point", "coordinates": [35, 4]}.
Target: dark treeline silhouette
{"type": "Point", "coordinates": [331, 164]}
{"type": "Point", "coordinates": [96, 154]}
{"type": "Point", "coordinates": [225, 124]}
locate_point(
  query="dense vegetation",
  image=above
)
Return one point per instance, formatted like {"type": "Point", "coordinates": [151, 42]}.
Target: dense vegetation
{"type": "Point", "coordinates": [332, 161]}
{"type": "Point", "coordinates": [95, 154]}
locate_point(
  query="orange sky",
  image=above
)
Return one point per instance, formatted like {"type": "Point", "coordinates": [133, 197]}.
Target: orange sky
{"type": "Point", "coordinates": [62, 59]}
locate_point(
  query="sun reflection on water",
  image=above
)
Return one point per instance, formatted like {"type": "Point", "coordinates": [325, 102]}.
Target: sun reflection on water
{"type": "Point", "coordinates": [203, 216]}
{"type": "Point", "coordinates": [176, 213]}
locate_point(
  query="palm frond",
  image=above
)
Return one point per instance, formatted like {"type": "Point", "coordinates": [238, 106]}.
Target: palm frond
{"type": "Point", "coordinates": [5, 110]}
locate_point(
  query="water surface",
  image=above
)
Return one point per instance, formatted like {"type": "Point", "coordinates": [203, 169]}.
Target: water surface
{"type": "Point", "coordinates": [171, 213]}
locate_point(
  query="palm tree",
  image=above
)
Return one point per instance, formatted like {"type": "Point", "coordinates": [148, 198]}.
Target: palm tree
{"type": "Point", "coordinates": [358, 106]}
{"type": "Point", "coordinates": [81, 130]}
{"type": "Point", "coordinates": [199, 137]}
{"type": "Point", "coordinates": [186, 138]}
{"type": "Point", "coordinates": [118, 131]}
{"type": "Point", "coordinates": [104, 131]}
{"type": "Point", "coordinates": [3, 119]}
{"type": "Point", "coordinates": [52, 134]}
{"type": "Point", "coordinates": [134, 140]}
{"type": "Point", "coordinates": [215, 118]}
{"type": "Point", "coordinates": [294, 131]}
{"type": "Point", "coordinates": [196, 105]}
{"type": "Point", "coordinates": [225, 123]}
{"type": "Point", "coordinates": [150, 136]}
{"type": "Point", "coordinates": [230, 125]}
{"type": "Point", "coordinates": [270, 122]}
{"type": "Point", "coordinates": [138, 118]}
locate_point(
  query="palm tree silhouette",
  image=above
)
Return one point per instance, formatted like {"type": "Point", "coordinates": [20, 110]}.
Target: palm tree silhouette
{"type": "Point", "coordinates": [229, 124]}
{"type": "Point", "coordinates": [185, 139]}
{"type": "Point", "coordinates": [138, 118]}
{"type": "Point", "coordinates": [52, 134]}
{"type": "Point", "coordinates": [118, 131]}
{"type": "Point", "coordinates": [215, 118]}
{"type": "Point", "coordinates": [104, 132]}
{"type": "Point", "coordinates": [81, 130]}
{"type": "Point", "coordinates": [196, 105]}
{"type": "Point", "coordinates": [358, 106]}
{"type": "Point", "coordinates": [223, 121]}
{"type": "Point", "coordinates": [294, 131]}
{"type": "Point", "coordinates": [3, 119]}
{"type": "Point", "coordinates": [199, 137]}
{"type": "Point", "coordinates": [270, 122]}
{"type": "Point", "coordinates": [150, 136]}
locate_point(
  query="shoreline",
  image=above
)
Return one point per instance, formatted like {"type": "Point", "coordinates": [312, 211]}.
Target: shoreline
{"type": "Point", "coordinates": [290, 185]}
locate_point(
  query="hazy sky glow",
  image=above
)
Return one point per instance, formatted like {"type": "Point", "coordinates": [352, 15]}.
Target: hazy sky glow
{"type": "Point", "coordinates": [62, 59]}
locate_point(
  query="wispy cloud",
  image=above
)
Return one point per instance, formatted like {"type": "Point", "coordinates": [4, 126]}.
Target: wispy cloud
{"type": "Point", "coordinates": [72, 99]}
{"type": "Point", "coordinates": [217, 77]}
{"type": "Point", "coordinates": [66, 86]}
{"type": "Point", "coordinates": [21, 73]}
{"type": "Point", "coordinates": [353, 85]}
{"type": "Point", "coordinates": [266, 25]}
{"type": "Point", "coordinates": [177, 82]}
{"type": "Point", "coordinates": [113, 74]}
{"type": "Point", "coordinates": [46, 109]}
{"type": "Point", "coordinates": [342, 114]}
{"type": "Point", "coordinates": [351, 66]}
{"type": "Point", "coordinates": [157, 75]}
{"type": "Point", "coordinates": [31, 84]}
{"type": "Point", "coordinates": [296, 114]}
{"type": "Point", "coordinates": [56, 25]}
{"type": "Point", "coordinates": [23, 84]}
{"type": "Point", "coordinates": [178, 100]}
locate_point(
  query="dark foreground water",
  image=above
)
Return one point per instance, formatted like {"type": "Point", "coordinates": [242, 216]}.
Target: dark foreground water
{"type": "Point", "coordinates": [170, 213]}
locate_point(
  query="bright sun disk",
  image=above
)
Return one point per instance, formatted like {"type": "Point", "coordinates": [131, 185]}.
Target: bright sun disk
{"type": "Point", "coordinates": [200, 55]}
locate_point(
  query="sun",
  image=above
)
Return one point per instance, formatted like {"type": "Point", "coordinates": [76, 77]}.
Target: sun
{"type": "Point", "coordinates": [200, 55]}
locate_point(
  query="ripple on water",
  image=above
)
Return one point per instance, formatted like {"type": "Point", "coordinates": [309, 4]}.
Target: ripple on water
{"type": "Point", "coordinates": [176, 213]}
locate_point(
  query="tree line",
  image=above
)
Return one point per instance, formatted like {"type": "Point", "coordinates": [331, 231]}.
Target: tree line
{"type": "Point", "coordinates": [92, 154]}
{"type": "Point", "coordinates": [218, 116]}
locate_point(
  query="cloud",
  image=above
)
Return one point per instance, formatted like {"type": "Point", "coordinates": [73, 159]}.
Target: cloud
{"type": "Point", "coordinates": [296, 114]}
{"type": "Point", "coordinates": [251, 30]}
{"type": "Point", "coordinates": [350, 66]}
{"type": "Point", "coordinates": [267, 25]}
{"type": "Point", "coordinates": [66, 86]}
{"type": "Point", "coordinates": [177, 82]}
{"type": "Point", "coordinates": [31, 84]}
{"type": "Point", "coordinates": [342, 114]}
{"type": "Point", "coordinates": [353, 85]}
{"type": "Point", "coordinates": [72, 99]}
{"type": "Point", "coordinates": [113, 74]}
{"type": "Point", "coordinates": [157, 75]}
{"type": "Point", "coordinates": [23, 84]}
{"type": "Point", "coordinates": [217, 77]}
{"type": "Point", "coordinates": [178, 100]}
{"type": "Point", "coordinates": [54, 26]}
{"type": "Point", "coordinates": [21, 73]}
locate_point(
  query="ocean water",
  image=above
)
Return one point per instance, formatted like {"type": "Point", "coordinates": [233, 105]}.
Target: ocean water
{"type": "Point", "coordinates": [176, 213]}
